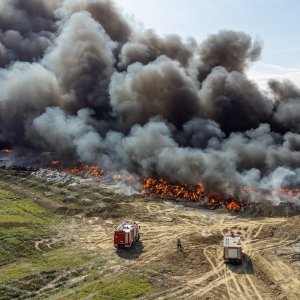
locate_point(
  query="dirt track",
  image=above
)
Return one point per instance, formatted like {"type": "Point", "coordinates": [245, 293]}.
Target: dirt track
{"type": "Point", "coordinates": [271, 245]}
{"type": "Point", "coordinates": [198, 272]}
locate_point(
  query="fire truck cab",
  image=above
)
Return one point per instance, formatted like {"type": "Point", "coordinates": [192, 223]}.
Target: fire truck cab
{"type": "Point", "coordinates": [233, 248]}
{"type": "Point", "coordinates": [126, 234]}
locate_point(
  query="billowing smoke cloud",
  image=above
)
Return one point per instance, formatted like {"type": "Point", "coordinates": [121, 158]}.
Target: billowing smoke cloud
{"type": "Point", "coordinates": [78, 79]}
{"type": "Point", "coordinates": [147, 46]}
{"type": "Point", "coordinates": [27, 28]}
{"type": "Point", "coordinates": [287, 97]}
{"type": "Point", "coordinates": [159, 88]}
{"type": "Point", "coordinates": [83, 68]}
{"type": "Point", "coordinates": [26, 90]}
{"type": "Point", "coordinates": [233, 101]}
{"type": "Point", "coordinates": [199, 133]}
{"type": "Point", "coordinates": [103, 12]}
{"type": "Point", "coordinates": [229, 49]}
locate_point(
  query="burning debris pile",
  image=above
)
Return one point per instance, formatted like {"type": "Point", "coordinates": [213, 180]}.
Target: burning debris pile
{"type": "Point", "coordinates": [158, 187]}
{"type": "Point", "coordinates": [79, 169]}
{"type": "Point", "coordinates": [63, 175]}
{"type": "Point", "coordinates": [170, 189]}
{"type": "Point", "coordinates": [78, 80]}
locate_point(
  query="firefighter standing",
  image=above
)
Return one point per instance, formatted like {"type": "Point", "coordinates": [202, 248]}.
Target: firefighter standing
{"type": "Point", "coordinates": [179, 246]}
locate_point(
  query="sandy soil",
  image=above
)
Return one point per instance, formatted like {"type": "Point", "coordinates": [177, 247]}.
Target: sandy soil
{"type": "Point", "coordinates": [198, 272]}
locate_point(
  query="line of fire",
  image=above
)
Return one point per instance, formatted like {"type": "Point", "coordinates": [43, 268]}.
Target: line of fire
{"type": "Point", "coordinates": [156, 187]}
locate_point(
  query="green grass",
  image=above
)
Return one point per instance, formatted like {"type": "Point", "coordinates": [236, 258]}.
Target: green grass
{"type": "Point", "coordinates": [21, 222]}
{"type": "Point", "coordinates": [123, 286]}
{"type": "Point", "coordinates": [14, 209]}
{"type": "Point", "coordinates": [28, 286]}
{"type": "Point", "coordinates": [57, 259]}
{"type": "Point", "coordinates": [23, 268]}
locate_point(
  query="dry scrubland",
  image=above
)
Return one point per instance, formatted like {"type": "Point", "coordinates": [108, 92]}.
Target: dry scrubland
{"type": "Point", "coordinates": [56, 243]}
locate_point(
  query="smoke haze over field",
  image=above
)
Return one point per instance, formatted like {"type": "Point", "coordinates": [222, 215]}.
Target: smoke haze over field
{"type": "Point", "coordinates": [78, 79]}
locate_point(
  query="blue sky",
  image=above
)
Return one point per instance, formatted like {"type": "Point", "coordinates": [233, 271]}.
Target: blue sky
{"type": "Point", "coordinates": [275, 22]}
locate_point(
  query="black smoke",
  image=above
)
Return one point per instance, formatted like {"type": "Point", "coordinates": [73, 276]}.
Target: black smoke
{"type": "Point", "coordinates": [78, 79]}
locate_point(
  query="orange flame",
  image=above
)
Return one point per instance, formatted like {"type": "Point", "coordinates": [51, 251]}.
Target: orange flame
{"type": "Point", "coordinates": [7, 151]}
{"type": "Point", "coordinates": [158, 187]}
{"type": "Point", "coordinates": [233, 206]}
{"type": "Point", "coordinates": [91, 170]}
{"type": "Point", "coordinates": [168, 189]}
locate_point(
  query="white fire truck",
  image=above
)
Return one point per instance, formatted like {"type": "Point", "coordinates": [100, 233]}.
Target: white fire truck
{"type": "Point", "coordinates": [233, 248]}
{"type": "Point", "coordinates": [126, 234]}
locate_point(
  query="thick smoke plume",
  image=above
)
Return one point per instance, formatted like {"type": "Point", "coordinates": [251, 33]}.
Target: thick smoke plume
{"type": "Point", "coordinates": [78, 79]}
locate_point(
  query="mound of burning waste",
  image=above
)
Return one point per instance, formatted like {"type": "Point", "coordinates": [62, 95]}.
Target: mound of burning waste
{"type": "Point", "coordinates": [162, 188]}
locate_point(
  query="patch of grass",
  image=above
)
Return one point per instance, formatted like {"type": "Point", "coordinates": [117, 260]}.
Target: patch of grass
{"type": "Point", "coordinates": [28, 275]}
{"type": "Point", "coordinates": [17, 243]}
{"type": "Point", "coordinates": [13, 219]}
{"type": "Point", "coordinates": [123, 286]}
{"type": "Point", "coordinates": [21, 222]}
{"type": "Point", "coordinates": [14, 209]}
{"type": "Point", "coordinates": [29, 287]}
{"type": "Point", "coordinates": [63, 258]}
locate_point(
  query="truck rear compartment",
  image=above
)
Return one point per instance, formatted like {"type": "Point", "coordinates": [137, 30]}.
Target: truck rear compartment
{"type": "Point", "coordinates": [126, 234]}
{"type": "Point", "coordinates": [232, 248]}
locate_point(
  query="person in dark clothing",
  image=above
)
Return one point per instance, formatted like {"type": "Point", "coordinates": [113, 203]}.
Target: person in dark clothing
{"type": "Point", "coordinates": [179, 246]}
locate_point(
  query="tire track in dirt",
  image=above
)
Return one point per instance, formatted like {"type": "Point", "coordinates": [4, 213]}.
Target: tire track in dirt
{"type": "Point", "coordinates": [281, 276]}
{"type": "Point", "coordinates": [189, 284]}
{"type": "Point", "coordinates": [234, 290]}
{"type": "Point", "coordinates": [253, 287]}
{"type": "Point", "coordinates": [217, 282]}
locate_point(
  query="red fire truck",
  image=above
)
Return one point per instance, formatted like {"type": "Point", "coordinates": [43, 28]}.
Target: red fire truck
{"type": "Point", "coordinates": [126, 234]}
{"type": "Point", "coordinates": [233, 248]}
